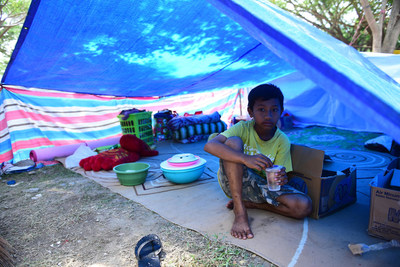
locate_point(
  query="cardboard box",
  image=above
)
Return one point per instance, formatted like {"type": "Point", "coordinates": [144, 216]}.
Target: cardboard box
{"type": "Point", "coordinates": [329, 190]}
{"type": "Point", "coordinates": [384, 216]}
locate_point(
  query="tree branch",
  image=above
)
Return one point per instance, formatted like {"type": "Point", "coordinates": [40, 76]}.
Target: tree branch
{"type": "Point", "coordinates": [1, 8]}
{"type": "Point", "coordinates": [382, 14]}
{"type": "Point", "coordinates": [356, 33]}
{"type": "Point", "coordinates": [373, 25]}
{"type": "Point", "coordinates": [4, 30]}
{"type": "Point", "coordinates": [369, 16]}
{"type": "Point", "coordinates": [393, 29]}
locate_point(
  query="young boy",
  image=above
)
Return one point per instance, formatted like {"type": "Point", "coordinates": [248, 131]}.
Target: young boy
{"type": "Point", "coordinates": [245, 150]}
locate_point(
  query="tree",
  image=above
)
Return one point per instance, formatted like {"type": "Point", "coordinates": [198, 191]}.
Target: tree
{"type": "Point", "coordinates": [12, 16]}
{"type": "Point", "coordinates": [385, 34]}
{"type": "Point", "coordinates": [348, 21]}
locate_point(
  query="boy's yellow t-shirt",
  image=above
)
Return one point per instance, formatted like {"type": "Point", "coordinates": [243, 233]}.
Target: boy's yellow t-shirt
{"type": "Point", "coordinates": [277, 149]}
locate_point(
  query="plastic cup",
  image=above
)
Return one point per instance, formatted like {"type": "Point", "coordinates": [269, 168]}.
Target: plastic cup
{"type": "Point", "coordinates": [271, 174]}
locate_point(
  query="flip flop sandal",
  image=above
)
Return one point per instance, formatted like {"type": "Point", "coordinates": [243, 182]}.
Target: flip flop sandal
{"type": "Point", "coordinates": [148, 251]}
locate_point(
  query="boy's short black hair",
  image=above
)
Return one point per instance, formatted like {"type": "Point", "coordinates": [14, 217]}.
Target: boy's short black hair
{"type": "Point", "coordinates": [265, 92]}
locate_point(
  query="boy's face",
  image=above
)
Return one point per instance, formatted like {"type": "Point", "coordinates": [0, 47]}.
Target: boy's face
{"type": "Point", "coordinates": [266, 113]}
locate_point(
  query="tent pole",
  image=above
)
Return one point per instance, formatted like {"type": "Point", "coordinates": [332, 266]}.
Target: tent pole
{"type": "Point", "coordinates": [240, 101]}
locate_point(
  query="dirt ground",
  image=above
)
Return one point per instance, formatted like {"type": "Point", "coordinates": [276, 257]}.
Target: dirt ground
{"type": "Point", "coordinates": [55, 217]}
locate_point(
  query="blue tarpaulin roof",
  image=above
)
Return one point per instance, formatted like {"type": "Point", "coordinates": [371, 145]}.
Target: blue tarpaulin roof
{"type": "Point", "coordinates": [137, 48]}
{"type": "Point", "coordinates": [161, 48]}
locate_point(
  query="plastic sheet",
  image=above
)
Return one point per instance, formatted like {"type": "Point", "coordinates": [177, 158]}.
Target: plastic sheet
{"type": "Point", "coordinates": [50, 153]}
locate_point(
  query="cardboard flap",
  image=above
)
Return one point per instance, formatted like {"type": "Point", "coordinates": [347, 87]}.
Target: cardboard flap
{"type": "Point", "coordinates": [382, 180]}
{"type": "Point", "coordinates": [307, 161]}
{"type": "Point", "coordinates": [395, 181]}
{"type": "Point", "coordinates": [395, 164]}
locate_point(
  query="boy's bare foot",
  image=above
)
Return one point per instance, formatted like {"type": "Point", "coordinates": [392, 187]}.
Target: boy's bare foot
{"type": "Point", "coordinates": [240, 228]}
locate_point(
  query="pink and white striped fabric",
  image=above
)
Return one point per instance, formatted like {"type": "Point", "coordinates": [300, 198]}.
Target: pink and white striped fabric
{"type": "Point", "coordinates": [36, 118]}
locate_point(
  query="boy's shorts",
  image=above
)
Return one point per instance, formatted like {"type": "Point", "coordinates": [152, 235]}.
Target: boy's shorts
{"type": "Point", "coordinates": [254, 187]}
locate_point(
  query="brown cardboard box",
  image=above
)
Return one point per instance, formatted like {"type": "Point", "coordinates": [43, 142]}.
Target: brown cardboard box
{"type": "Point", "coordinates": [384, 217]}
{"type": "Point", "coordinates": [329, 190]}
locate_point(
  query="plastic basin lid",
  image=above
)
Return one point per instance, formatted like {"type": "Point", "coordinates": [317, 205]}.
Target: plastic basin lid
{"type": "Point", "coordinates": [182, 158]}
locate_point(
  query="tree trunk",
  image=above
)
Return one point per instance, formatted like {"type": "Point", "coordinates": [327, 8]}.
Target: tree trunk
{"type": "Point", "coordinates": [376, 27]}
{"type": "Point", "coordinates": [393, 29]}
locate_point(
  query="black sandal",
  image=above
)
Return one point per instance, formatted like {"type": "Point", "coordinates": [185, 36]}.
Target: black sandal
{"type": "Point", "coordinates": [148, 251]}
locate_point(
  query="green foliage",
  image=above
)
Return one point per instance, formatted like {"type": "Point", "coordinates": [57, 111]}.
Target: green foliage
{"type": "Point", "coordinates": [12, 16]}
{"type": "Point", "coordinates": [342, 19]}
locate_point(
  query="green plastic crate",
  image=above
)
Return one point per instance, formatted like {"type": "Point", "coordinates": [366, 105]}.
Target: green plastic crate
{"type": "Point", "coordinates": [139, 124]}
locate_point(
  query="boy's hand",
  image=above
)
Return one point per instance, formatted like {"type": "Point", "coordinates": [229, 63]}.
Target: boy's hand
{"type": "Point", "coordinates": [281, 176]}
{"type": "Point", "coordinates": [258, 162]}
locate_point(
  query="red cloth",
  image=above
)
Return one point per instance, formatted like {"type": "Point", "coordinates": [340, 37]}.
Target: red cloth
{"type": "Point", "coordinates": [132, 148]}
{"type": "Point", "coordinates": [133, 144]}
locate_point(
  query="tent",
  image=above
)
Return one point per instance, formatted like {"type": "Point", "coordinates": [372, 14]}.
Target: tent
{"type": "Point", "coordinates": [78, 63]}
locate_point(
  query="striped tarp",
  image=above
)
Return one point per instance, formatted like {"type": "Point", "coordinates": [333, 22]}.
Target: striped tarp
{"type": "Point", "coordinates": [33, 118]}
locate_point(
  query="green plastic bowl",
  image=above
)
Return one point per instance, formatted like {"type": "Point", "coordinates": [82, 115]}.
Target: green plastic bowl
{"type": "Point", "coordinates": [133, 173]}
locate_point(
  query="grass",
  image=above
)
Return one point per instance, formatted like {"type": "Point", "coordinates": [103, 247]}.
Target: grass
{"type": "Point", "coordinates": [217, 252]}
{"type": "Point", "coordinates": [77, 222]}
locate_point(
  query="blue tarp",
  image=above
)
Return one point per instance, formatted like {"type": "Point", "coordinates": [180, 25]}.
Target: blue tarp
{"type": "Point", "coordinates": [161, 48]}
{"type": "Point", "coordinates": [137, 48]}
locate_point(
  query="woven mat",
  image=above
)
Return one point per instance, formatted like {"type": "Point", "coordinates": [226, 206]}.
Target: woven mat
{"type": "Point", "coordinates": [155, 181]}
